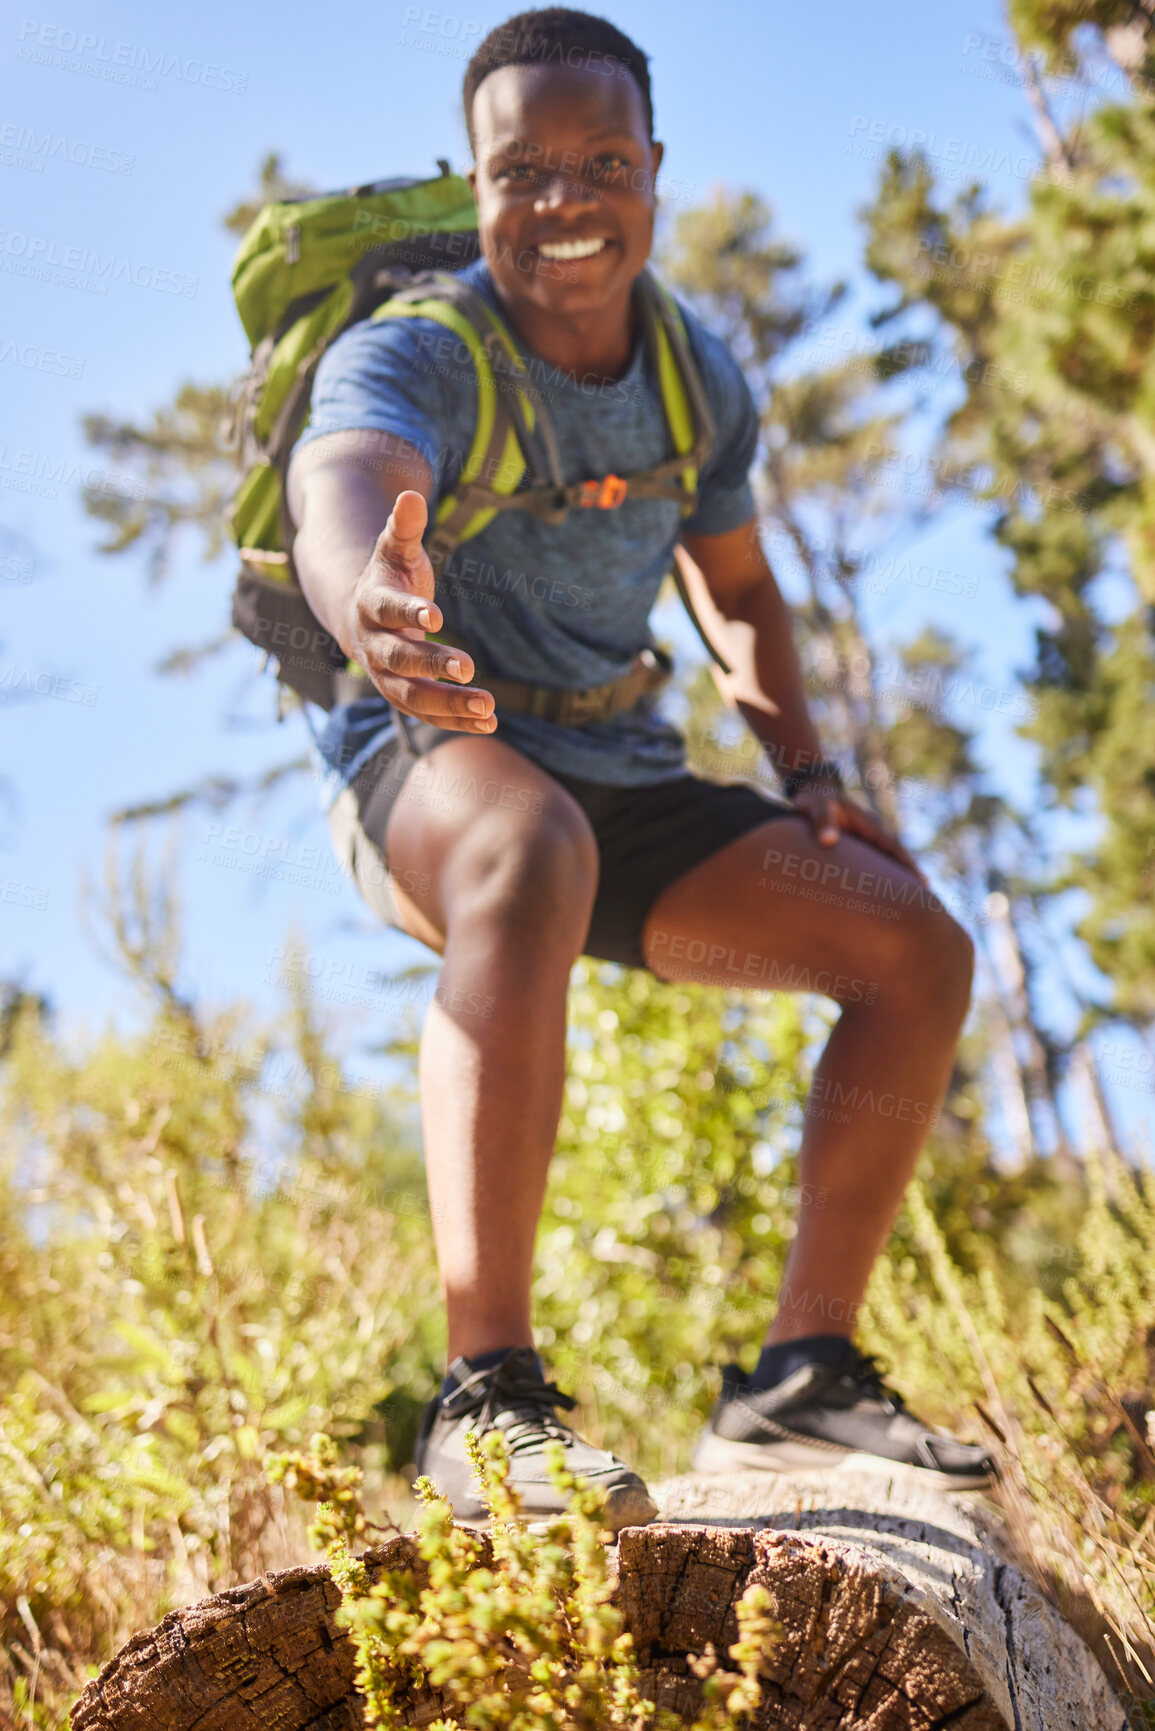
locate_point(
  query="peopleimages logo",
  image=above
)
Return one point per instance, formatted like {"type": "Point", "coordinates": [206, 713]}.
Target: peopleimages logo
{"type": "Point", "coordinates": [36, 256]}
{"type": "Point", "coordinates": [23, 147]}
{"type": "Point", "coordinates": [120, 62]}
{"type": "Point", "coordinates": [26, 682]}
{"type": "Point", "coordinates": [43, 476]}
{"type": "Point", "coordinates": [38, 360]}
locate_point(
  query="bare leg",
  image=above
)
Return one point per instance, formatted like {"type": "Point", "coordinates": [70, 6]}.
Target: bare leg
{"type": "Point", "coordinates": [743, 917]}
{"type": "Point", "coordinates": [510, 890]}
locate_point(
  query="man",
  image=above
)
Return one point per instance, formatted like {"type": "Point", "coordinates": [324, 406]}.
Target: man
{"type": "Point", "coordinates": [515, 844]}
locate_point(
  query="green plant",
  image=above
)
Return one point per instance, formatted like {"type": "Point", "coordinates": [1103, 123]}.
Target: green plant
{"type": "Point", "coordinates": [516, 1627]}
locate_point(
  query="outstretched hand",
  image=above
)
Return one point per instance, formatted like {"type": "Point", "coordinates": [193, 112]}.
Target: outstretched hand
{"type": "Point", "coordinates": [391, 610]}
{"type": "Point", "coordinates": [833, 816]}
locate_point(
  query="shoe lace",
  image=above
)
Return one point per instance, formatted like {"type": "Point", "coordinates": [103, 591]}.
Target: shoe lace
{"type": "Point", "coordinates": [488, 1394]}
{"type": "Point", "coordinates": [867, 1374]}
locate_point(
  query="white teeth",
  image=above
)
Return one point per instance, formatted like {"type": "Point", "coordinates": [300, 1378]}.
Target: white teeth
{"type": "Point", "coordinates": [567, 249]}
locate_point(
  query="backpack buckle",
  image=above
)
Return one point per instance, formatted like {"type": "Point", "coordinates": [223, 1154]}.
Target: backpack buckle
{"type": "Point", "coordinates": [607, 494]}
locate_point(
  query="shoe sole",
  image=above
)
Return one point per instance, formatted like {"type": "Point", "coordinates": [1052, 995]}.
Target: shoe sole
{"type": "Point", "coordinates": [714, 1455]}
{"type": "Point", "coordinates": [632, 1506]}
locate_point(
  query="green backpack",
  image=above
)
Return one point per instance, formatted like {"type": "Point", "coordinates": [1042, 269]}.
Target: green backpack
{"type": "Point", "coordinates": [309, 268]}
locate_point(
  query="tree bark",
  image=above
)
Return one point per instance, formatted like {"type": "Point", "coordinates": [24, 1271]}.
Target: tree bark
{"type": "Point", "coordinates": [898, 1607]}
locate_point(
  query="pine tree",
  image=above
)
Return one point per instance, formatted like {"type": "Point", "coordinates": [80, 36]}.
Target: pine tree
{"type": "Point", "coordinates": [1050, 318]}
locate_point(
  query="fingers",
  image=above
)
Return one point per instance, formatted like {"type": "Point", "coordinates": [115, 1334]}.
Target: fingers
{"type": "Point", "coordinates": [406, 525]}
{"type": "Point", "coordinates": [832, 818]}
{"type": "Point", "coordinates": [824, 814]}
{"type": "Point", "coordinates": [429, 681]}
{"type": "Point", "coordinates": [860, 823]}
{"type": "Point", "coordinates": [393, 608]}
{"type": "Point", "coordinates": [463, 711]}
{"type": "Point", "coordinates": [381, 606]}
{"type": "Point", "coordinates": [391, 654]}
{"type": "Point", "coordinates": [406, 672]}
{"type": "Point", "coordinates": [401, 564]}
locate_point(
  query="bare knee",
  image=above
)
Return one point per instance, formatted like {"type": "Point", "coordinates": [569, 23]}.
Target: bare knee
{"type": "Point", "coordinates": [933, 957]}
{"type": "Point", "coordinates": [525, 876]}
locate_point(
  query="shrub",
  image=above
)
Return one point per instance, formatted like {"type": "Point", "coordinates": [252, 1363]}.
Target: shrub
{"type": "Point", "coordinates": [515, 1627]}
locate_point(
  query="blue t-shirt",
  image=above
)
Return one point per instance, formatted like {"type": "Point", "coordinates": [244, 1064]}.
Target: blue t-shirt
{"type": "Point", "coordinates": [562, 605]}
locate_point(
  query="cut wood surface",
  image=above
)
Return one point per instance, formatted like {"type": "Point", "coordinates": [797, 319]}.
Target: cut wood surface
{"type": "Point", "coordinates": [898, 1608]}
{"type": "Point", "coordinates": [887, 1571]}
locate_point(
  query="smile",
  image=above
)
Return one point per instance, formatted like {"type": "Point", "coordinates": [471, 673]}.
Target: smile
{"type": "Point", "coordinates": [571, 249]}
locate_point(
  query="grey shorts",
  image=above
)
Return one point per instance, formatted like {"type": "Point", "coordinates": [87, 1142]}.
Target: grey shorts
{"type": "Point", "coordinates": [647, 838]}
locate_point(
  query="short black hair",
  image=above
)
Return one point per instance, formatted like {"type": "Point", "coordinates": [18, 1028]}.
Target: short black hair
{"type": "Point", "coordinates": [555, 35]}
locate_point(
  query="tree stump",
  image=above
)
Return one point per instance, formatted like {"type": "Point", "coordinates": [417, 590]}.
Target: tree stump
{"type": "Point", "coordinates": [899, 1611]}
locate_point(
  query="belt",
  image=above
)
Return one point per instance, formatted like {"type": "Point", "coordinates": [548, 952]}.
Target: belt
{"type": "Point", "coordinates": [566, 706]}
{"type": "Point", "coordinates": [573, 708]}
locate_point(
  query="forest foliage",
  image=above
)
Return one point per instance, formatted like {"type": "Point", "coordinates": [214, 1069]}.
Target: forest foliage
{"type": "Point", "coordinates": [215, 1246]}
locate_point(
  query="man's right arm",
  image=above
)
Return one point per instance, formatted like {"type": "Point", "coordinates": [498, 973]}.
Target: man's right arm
{"type": "Point", "coordinates": [359, 500]}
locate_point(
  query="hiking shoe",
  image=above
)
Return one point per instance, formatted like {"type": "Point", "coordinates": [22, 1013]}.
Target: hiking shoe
{"type": "Point", "coordinates": [823, 1416]}
{"type": "Point", "coordinates": [514, 1397]}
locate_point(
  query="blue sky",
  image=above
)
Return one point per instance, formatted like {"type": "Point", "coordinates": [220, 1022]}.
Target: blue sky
{"type": "Point", "coordinates": [795, 105]}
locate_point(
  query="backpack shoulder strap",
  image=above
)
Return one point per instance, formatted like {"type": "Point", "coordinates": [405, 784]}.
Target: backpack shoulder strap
{"type": "Point", "coordinates": [511, 435]}
{"type": "Point", "coordinates": [687, 408]}
{"type": "Point", "coordinates": [688, 412]}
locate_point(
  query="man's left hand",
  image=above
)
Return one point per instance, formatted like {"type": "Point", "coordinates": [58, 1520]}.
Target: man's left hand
{"type": "Point", "coordinates": [832, 816]}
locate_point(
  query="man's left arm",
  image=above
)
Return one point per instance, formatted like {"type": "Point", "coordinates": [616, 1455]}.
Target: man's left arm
{"type": "Point", "coordinates": [745, 617]}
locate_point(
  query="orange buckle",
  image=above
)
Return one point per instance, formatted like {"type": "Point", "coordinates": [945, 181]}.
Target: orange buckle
{"type": "Point", "coordinates": [606, 494]}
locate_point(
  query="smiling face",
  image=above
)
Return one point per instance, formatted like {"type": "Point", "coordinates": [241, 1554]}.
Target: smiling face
{"type": "Point", "coordinates": [564, 186]}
